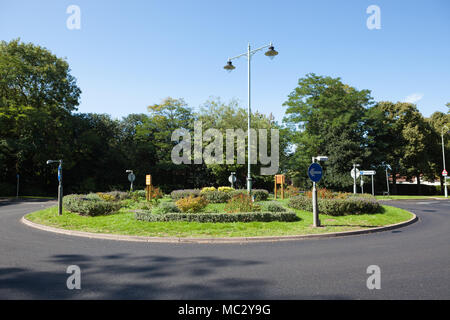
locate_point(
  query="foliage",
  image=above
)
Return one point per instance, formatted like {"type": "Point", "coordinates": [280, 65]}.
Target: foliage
{"type": "Point", "coordinates": [216, 196]}
{"type": "Point", "coordinates": [207, 189]}
{"type": "Point", "coordinates": [241, 203]}
{"type": "Point", "coordinates": [337, 206]}
{"type": "Point", "coordinates": [165, 207]}
{"type": "Point", "coordinates": [114, 195]}
{"type": "Point", "coordinates": [225, 189]}
{"type": "Point", "coordinates": [274, 206]}
{"type": "Point", "coordinates": [192, 204]}
{"type": "Point", "coordinates": [185, 193]}
{"type": "Point", "coordinates": [89, 205]}
{"type": "Point", "coordinates": [208, 217]}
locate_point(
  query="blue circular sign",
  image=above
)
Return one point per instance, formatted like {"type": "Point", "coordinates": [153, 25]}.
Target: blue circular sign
{"type": "Point", "coordinates": [315, 172]}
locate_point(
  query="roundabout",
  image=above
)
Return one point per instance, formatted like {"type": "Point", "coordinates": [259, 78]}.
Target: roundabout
{"type": "Point", "coordinates": [413, 261]}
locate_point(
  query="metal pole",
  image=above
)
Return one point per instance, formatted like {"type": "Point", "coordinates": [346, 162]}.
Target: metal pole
{"type": "Point", "coordinates": [362, 184]}
{"type": "Point", "coordinates": [60, 189]}
{"type": "Point", "coordinates": [249, 177]}
{"type": "Point", "coordinates": [373, 190]}
{"type": "Point", "coordinates": [354, 178]}
{"type": "Point", "coordinates": [316, 221]}
{"type": "Point", "coordinates": [443, 159]}
{"type": "Point", "coordinates": [17, 191]}
{"type": "Point", "coordinates": [387, 181]}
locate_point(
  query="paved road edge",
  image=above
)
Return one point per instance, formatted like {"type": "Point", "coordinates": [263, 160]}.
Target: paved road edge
{"type": "Point", "coordinates": [117, 237]}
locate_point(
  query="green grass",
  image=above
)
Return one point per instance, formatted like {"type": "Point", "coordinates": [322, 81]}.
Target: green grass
{"type": "Point", "coordinates": [124, 223]}
{"type": "Point", "coordinates": [407, 197]}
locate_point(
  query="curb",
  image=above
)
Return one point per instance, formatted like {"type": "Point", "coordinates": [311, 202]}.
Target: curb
{"type": "Point", "coordinates": [116, 237]}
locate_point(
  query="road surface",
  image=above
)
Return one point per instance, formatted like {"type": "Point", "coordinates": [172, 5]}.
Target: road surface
{"type": "Point", "coordinates": [414, 263]}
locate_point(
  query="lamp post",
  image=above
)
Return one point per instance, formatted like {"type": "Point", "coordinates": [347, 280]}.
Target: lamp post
{"type": "Point", "coordinates": [443, 158]}
{"type": "Point", "coordinates": [60, 187]}
{"type": "Point", "coordinates": [271, 53]}
{"type": "Point", "coordinates": [316, 221]}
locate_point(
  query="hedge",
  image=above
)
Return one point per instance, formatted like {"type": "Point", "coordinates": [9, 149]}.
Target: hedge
{"type": "Point", "coordinates": [184, 193]}
{"type": "Point", "coordinates": [218, 217]}
{"type": "Point", "coordinates": [338, 207]}
{"type": "Point", "coordinates": [89, 205]}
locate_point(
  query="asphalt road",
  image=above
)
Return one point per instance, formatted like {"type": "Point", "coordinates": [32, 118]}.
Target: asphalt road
{"type": "Point", "coordinates": [414, 263]}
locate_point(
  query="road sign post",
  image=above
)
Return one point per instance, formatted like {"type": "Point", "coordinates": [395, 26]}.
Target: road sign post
{"type": "Point", "coordinates": [60, 188]}
{"type": "Point", "coordinates": [232, 179]}
{"type": "Point", "coordinates": [17, 191]}
{"type": "Point", "coordinates": [367, 173]}
{"type": "Point", "coordinates": [315, 173]}
{"type": "Point", "coordinates": [355, 174]}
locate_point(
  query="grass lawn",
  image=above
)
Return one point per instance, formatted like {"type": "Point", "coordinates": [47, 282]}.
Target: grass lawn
{"type": "Point", "coordinates": [123, 222]}
{"type": "Point", "coordinates": [407, 197]}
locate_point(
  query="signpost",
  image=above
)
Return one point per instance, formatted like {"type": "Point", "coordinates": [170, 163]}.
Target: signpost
{"type": "Point", "coordinates": [148, 187]}
{"type": "Point", "coordinates": [279, 179]}
{"type": "Point", "coordinates": [355, 174]}
{"type": "Point", "coordinates": [131, 178]}
{"type": "Point", "coordinates": [315, 173]}
{"type": "Point", "coordinates": [60, 187]}
{"type": "Point", "coordinates": [17, 191]}
{"type": "Point", "coordinates": [368, 173]}
{"type": "Point", "coordinates": [232, 179]}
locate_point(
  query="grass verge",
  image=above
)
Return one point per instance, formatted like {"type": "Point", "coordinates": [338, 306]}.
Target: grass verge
{"type": "Point", "coordinates": [123, 223]}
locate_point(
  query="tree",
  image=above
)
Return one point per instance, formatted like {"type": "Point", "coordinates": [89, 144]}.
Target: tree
{"type": "Point", "coordinates": [328, 117]}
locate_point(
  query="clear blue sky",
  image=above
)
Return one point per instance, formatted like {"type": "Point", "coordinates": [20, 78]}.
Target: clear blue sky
{"type": "Point", "coordinates": [130, 54]}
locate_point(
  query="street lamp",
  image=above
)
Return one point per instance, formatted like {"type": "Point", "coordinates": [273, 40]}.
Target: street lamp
{"type": "Point", "coordinates": [443, 158]}
{"type": "Point", "coordinates": [60, 187]}
{"type": "Point", "coordinates": [271, 53]}
{"type": "Point", "coordinates": [316, 221]}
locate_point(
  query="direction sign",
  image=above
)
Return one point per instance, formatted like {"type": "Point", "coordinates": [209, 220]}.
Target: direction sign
{"type": "Point", "coordinates": [444, 173]}
{"type": "Point", "coordinates": [352, 173]}
{"type": "Point", "coordinates": [315, 172]}
{"type": "Point", "coordinates": [367, 172]}
{"type": "Point", "coordinates": [131, 177]}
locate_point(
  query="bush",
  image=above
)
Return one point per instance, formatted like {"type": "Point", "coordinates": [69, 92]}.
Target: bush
{"type": "Point", "coordinates": [241, 203]}
{"type": "Point", "coordinates": [259, 194]}
{"type": "Point", "coordinates": [114, 195]}
{"type": "Point", "coordinates": [274, 206]}
{"type": "Point", "coordinates": [184, 193]}
{"type": "Point", "coordinates": [192, 204]}
{"type": "Point", "coordinates": [89, 205]}
{"type": "Point", "coordinates": [207, 189]}
{"type": "Point", "coordinates": [216, 196]}
{"type": "Point", "coordinates": [337, 206]}
{"type": "Point", "coordinates": [213, 217]}
{"type": "Point", "coordinates": [225, 189]}
{"type": "Point", "coordinates": [166, 207]}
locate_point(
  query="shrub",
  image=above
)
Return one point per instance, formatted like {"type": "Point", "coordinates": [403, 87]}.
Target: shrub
{"type": "Point", "coordinates": [89, 205]}
{"type": "Point", "coordinates": [213, 217]}
{"type": "Point", "coordinates": [208, 189]}
{"type": "Point", "coordinates": [338, 206]}
{"type": "Point", "coordinates": [192, 204]}
{"type": "Point", "coordinates": [114, 195]}
{"type": "Point", "coordinates": [291, 191]}
{"type": "Point", "coordinates": [166, 207]}
{"type": "Point", "coordinates": [274, 206]}
{"type": "Point", "coordinates": [259, 194]}
{"type": "Point", "coordinates": [225, 189]}
{"type": "Point", "coordinates": [184, 193]}
{"type": "Point", "coordinates": [241, 203]}
{"type": "Point", "coordinates": [216, 196]}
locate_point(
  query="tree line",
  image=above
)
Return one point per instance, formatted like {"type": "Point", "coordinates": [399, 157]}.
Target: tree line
{"type": "Point", "coordinates": [39, 121]}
